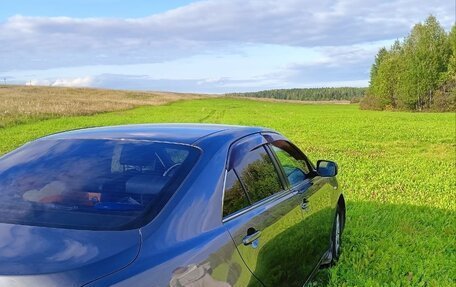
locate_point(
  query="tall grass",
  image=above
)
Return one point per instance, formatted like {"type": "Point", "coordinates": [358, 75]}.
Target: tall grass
{"type": "Point", "coordinates": [19, 104]}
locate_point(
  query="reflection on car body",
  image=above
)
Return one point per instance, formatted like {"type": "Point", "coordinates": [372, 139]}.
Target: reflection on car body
{"type": "Point", "coordinates": [195, 276]}
{"type": "Point", "coordinates": [167, 205]}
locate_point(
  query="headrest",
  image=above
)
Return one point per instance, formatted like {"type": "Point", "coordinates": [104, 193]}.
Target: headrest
{"type": "Point", "coordinates": [146, 184]}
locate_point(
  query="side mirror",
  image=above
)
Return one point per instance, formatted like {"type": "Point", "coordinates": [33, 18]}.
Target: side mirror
{"type": "Point", "coordinates": [326, 168]}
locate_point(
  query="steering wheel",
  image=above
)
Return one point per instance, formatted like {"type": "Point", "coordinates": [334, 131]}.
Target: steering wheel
{"type": "Point", "coordinates": [171, 169]}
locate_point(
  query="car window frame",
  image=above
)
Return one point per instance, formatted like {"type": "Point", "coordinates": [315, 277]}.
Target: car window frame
{"type": "Point", "coordinates": [271, 137]}
{"type": "Point", "coordinates": [275, 196]}
{"type": "Point", "coordinates": [311, 173]}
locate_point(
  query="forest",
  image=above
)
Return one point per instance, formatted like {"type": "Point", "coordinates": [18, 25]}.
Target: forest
{"type": "Point", "coordinates": [417, 73]}
{"type": "Point", "coordinates": [309, 94]}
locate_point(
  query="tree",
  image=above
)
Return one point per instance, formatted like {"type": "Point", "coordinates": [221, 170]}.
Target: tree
{"type": "Point", "coordinates": [445, 96]}
{"type": "Point", "coordinates": [308, 94]}
{"type": "Point", "coordinates": [381, 55]}
{"type": "Point", "coordinates": [426, 54]}
{"type": "Point", "coordinates": [451, 74]}
{"type": "Point", "coordinates": [408, 75]}
{"type": "Point", "coordinates": [387, 78]}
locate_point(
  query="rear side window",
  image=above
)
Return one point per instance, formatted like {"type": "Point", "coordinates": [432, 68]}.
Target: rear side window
{"type": "Point", "coordinates": [235, 197]}
{"type": "Point", "coordinates": [258, 174]}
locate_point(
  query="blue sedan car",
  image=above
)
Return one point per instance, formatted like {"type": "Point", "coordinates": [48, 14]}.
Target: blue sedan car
{"type": "Point", "coordinates": [166, 205]}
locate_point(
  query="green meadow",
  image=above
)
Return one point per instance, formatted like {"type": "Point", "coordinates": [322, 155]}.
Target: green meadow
{"type": "Point", "coordinates": [398, 171]}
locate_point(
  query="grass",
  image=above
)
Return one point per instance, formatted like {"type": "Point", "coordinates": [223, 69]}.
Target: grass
{"type": "Point", "coordinates": [20, 104]}
{"type": "Point", "coordinates": [397, 170]}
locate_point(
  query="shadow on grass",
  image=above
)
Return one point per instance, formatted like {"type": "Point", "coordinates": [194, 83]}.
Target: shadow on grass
{"type": "Point", "coordinates": [391, 244]}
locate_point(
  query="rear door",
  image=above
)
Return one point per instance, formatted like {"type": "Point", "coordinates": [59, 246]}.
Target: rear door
{"type": "Point", "coordinates": [315, 205]}
{"type": "Point", "coordinates": [266, 225]}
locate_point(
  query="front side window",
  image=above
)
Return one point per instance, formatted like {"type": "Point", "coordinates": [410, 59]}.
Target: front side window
{"type": "Point", "coordinates": [258, 174]}
{"type": "Point", "coordinates": [90, 184]}
{"type": "Point", "coordinates": [292, 162]}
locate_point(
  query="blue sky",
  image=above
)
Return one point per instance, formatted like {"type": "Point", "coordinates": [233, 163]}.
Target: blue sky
{"type": "Point", "coordinates": [212, 46]}
{"type": "Point", "coordinates": [88, 8]}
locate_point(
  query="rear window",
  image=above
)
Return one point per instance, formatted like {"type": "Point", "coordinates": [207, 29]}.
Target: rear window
{"type": "Point", "coordinates": [91, 184]}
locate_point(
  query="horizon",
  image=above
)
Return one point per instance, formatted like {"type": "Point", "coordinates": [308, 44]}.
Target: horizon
{"type": "Point", "coordinates": [173, 92]}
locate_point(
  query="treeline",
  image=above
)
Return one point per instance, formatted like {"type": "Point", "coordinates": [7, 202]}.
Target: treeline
{"type": "Point", "coordinates": [418, 73]}
{"type": "Point", "coordinates": [309, 94]}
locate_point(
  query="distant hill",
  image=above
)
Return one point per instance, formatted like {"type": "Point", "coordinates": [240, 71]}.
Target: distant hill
{"type": "Point", "coordinates": [309, 94]}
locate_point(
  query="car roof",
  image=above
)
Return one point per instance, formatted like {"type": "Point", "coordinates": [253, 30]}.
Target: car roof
{"type": "Point", "coordinates": [177, 133]}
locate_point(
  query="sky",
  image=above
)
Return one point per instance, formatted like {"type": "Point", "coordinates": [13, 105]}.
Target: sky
{"type": "Point", "coordinates": [208, 46]}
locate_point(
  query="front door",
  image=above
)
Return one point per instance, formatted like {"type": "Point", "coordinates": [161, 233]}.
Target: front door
{"type": "Point", "coordinates": [315, 205]}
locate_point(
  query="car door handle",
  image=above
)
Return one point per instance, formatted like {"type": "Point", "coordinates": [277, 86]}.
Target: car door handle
{"type": "Point", "coordinates": [248, 239]}
{"type": "Point", "coordinates": [305, 204]}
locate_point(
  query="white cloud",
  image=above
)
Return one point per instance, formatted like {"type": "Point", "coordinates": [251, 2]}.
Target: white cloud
{"type": "Point", "coordinates": [68, 82]}
{"type": "Point", "coordinates": [212, 80]}
{"type": "Point", "coordinates": [335, 64]}
{"type": "Point", "coordinates": [75, 82]}
{"type": "Point", "coordinates": [36, 82]}
{"type": "Point", "coordinates": [217, 26]}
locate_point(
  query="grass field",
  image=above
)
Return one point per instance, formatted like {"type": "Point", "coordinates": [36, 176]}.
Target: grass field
{"type": "Point", "coordinates": [20, 104]}
{"type": "Point", "coordinates": [397, 170]}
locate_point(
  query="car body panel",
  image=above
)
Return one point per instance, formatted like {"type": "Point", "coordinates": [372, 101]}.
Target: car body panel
{"type": "Point", "coordinates": [45, 255]}
{"type": "Point", "coordinates": [317, 223]}
{"type": "Point", "coordinates": [176, 133]}
{"type": "Point", "coordinates": [319, 202]}
{"type": "Point", "coordinates": [209, 259]}
{"type": "Point", "coordinates": [278, 219]}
